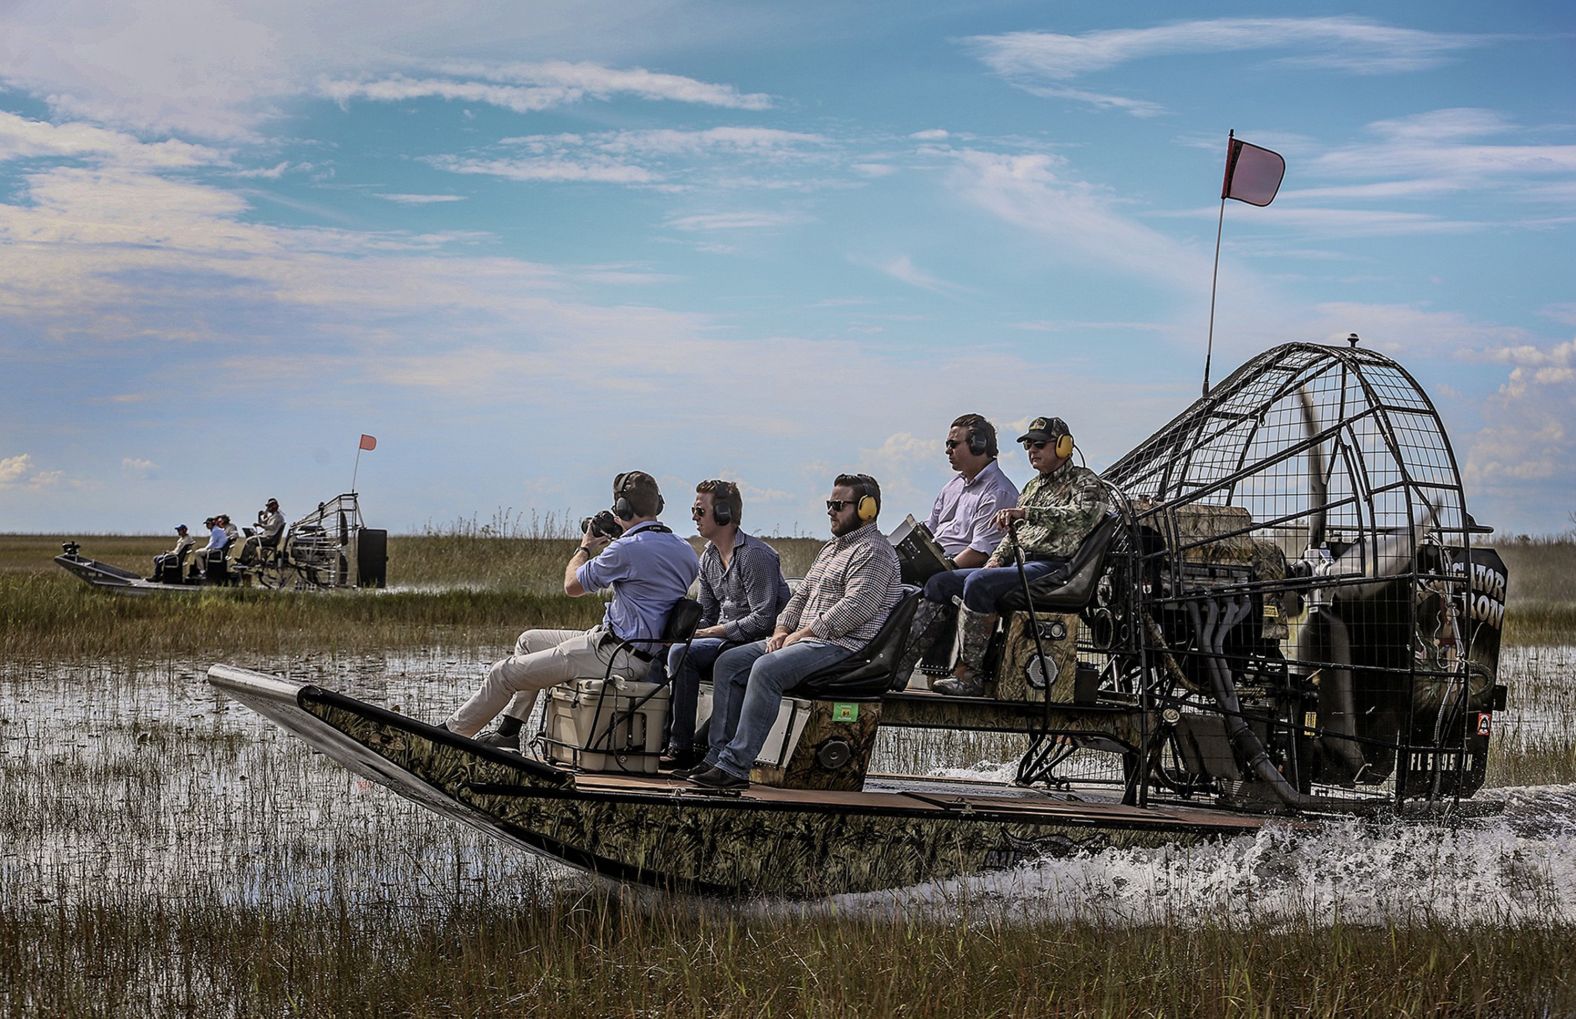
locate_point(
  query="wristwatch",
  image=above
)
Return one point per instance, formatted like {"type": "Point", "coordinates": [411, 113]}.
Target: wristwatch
{"type": "Point", "coordinates": [589, 554]}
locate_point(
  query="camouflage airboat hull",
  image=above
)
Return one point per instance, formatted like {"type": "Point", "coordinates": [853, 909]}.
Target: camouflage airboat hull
{"type": "Point", "coordinates": [654, 831]}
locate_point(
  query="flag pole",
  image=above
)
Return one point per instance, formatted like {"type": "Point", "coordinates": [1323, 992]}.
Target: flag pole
{"type": "Point", "coordinates": [354, 471]}
{"type": "Point", "coordinates": [1214, 276]}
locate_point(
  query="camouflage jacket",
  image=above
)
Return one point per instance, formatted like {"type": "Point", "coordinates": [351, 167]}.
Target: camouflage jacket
{"type": "Point", "coordinates": [1062, 507]}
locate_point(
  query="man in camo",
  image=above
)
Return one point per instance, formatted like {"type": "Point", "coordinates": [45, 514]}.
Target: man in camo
{"type": "Point", "coordinates": [1058, 508]}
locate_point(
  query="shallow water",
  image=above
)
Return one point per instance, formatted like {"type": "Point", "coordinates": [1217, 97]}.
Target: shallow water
{"type": "Point", "coordinates": [125, 782]}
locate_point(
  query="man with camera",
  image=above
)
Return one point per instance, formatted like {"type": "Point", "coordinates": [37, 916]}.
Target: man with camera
{"type": "Point", "coordinates": [1058, 508]}
{"type": "Point", "coordinates": [838, 609]}
{"type": "Point", "coordinates": [649, 569]}
{"type": "Point", "coordinates": [741, 592]}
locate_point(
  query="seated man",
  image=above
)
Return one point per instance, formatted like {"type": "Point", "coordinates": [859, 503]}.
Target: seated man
{"type": "Point", "coordinates": [218, 541]}
{"type": "Point", "coordinates": [741, 592]}
{"type": "Point", "coordinates": [1059, 507]}
{"type": "Point", "coordinates": [838, 609]}
{"type": "Point", "coordinates": [963, 522]}
{"type": "Point", "coordinates": [649, 569]}
{"type": "Point", "coordinates": [176, 555]}
{"type": "Point", "coordinates": [270, 525]}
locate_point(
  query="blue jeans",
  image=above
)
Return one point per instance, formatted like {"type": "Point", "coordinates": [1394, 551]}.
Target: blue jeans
{"type": "Point", "coordinates": [742, 715]}
{"type": "Point", "coordinates": [687, 672]}
{"type": "Point", "coordinates": [981, 588]}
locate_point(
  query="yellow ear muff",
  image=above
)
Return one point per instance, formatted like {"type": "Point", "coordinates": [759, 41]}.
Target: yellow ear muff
{"type": "Point", "coordinates": [867, 508]}
{"type": "Point", "coordinates": [1064, 446]}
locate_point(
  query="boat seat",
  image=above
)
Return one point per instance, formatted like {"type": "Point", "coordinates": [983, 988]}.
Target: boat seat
{"type": "Point", "coordinates": [1070, 588]}
{"type": "Point", "coordinates": [869, 672]}
{"type": "Point", "coordinates": [678, 628]}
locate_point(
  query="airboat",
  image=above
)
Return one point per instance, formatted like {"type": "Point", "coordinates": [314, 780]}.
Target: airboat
{"type": "Point", "coordinates": [1288, 618]}
{"type": "Point", "coordinates": [327, 549]}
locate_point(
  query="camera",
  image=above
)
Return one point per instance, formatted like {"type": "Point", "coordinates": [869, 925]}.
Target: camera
{"type": "Point", "coordinates": [604, 525]}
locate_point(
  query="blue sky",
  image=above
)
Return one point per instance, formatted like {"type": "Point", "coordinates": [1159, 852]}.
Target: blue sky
{"type": "Point", "coordinates": [530, 245]}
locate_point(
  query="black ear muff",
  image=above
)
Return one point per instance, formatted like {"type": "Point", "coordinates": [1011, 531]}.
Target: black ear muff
{"type": "Point", "coordinates": [867, 508]}
{"type": "Point", "coordinates": [721, 510]}
{"type": "Point", "coordinates": [1064, 445]}
{"type": "Point", "coordinates": [621, 507]}
{"type": "Point", "coordinates": [978, 444]}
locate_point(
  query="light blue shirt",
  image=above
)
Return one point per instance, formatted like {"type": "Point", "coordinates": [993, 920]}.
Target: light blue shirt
{"type": "Point", "coordinates": [961, 517]}
{"type": "Point", "coordinates": [649, 570]}
{"type": "Point", "coordinates": [217, 538]}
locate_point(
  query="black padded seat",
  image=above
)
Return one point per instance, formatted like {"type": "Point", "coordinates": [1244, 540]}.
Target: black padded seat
{"type": "Point", "coordinates": [869, 672]}
{"type": "Point", "coordinates": [1070, 588]}
{"type": "Point", "coordinates": [678, 628]}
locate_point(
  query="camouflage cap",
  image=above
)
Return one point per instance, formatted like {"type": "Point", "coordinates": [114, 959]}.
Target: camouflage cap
{"type": "Point", "coordinates": [1048, 429]}
{"type": "Point", "coordinates": [641, 491]}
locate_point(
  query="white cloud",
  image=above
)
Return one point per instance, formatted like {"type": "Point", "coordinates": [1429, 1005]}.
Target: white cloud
{"type": "Point", "coordinates": [550, 169]}
{"type": "Point", "coordinates": [1527, 436]}
{"type": "Point", "coordinates": [18, 472]}
{"type": "Point", "coordinates": [934, 134]}
{"type": "Point", "coordinates": [734, 221]}
{"type": "Point", "coordinates": [667, 141]}
{"type": "Point", "coordinates": [1357, 45]}
{"type": "Point", "coordinates": [21, 138]}
{"type": "Point", "coordinates": [903, 269]}
{"type": "Point", "coordinates": [662, 157]}
{"type": "Point", "coordinates": [137, 467]}
{"type": "Point", "coordinates": [215, 69]}
{"type": "Point", "coordinates": [402, 199]}
{"type": "Point", "coordinates": [1029, 191]}
{"type": "Point", "coordinates": [1099, 100]}
{"type": "Point", "coordinates": [1436, 146]}
{"type": "Point", "coordinates": [531, 88]}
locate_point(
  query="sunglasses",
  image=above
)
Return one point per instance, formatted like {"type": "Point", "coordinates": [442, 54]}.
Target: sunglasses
{"type": "Point", "coordinates": [953, 444]}
{"type": "Point", "coordinates": [1029, 444]}
{"type": "Point", "coordinates": [836, 505]}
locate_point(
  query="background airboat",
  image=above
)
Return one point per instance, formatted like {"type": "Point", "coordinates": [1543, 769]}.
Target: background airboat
{"type": "Point", "coordinates": [327, 548]}
{"type": "Point", "coordinates": [1286, 615]}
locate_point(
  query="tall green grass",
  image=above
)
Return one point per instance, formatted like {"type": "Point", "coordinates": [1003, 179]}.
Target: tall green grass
{"type": "Point", "coordinates": [594, 955]}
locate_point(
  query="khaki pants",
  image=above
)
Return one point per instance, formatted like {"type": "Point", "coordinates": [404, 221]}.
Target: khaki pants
{"type": "Point", "coordinates": [542, 659]}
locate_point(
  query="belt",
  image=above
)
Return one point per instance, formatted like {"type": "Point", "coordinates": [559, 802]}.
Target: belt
{"type": "Point", "coordinates": [609, 637]}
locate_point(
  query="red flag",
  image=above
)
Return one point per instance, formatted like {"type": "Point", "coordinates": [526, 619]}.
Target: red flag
{"type": "Point", "coordinates": [1253, 174]}
{"type": "Point", "coordinates": [369, 442]}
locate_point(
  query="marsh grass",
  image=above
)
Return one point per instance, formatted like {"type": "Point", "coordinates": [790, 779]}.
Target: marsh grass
{"type": "Point", "coordinates": [470, 583]}
{"type": "Point", "coordinates": [592, 955]}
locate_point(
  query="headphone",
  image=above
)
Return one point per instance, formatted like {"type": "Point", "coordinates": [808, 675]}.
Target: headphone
{"type": "Point", "coordinates": [1064, 446]}
{"type": "Point", "coordinates": [722, 505]}
{"type": "Point", "coordinates": [621, 507]}
{"type": "Point", "coordinates": [868, 506]}
{"type": "Point", "coordinates": [978, 444]}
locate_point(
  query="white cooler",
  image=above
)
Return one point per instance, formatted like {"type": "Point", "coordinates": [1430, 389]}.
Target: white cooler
{"type": "Point", "coordinates": [598, 728]}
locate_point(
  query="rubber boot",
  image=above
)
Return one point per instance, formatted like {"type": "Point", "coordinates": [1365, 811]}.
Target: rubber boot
{"type": "Point", "coordinates": [975, 630]}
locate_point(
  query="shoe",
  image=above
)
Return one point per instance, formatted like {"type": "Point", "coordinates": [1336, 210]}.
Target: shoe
{"type": "Point", "coordinates": [955, 687]}
{"type": "Point", "coordinates": [692, 770]}
{"type": "Point", "coordinates": [716, 778]}
{"type": "Point", "coordinates": [683, 760]}
{"type": "Point", "coordinates": [497, 740]}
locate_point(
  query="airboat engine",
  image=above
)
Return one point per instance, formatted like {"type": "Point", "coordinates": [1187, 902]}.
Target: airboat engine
{"type": "Point", "coordinates": [1327, 625]}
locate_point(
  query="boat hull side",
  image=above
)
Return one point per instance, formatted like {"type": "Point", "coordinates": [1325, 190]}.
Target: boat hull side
{"type": "Point", "coordinates": [675, 837]}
